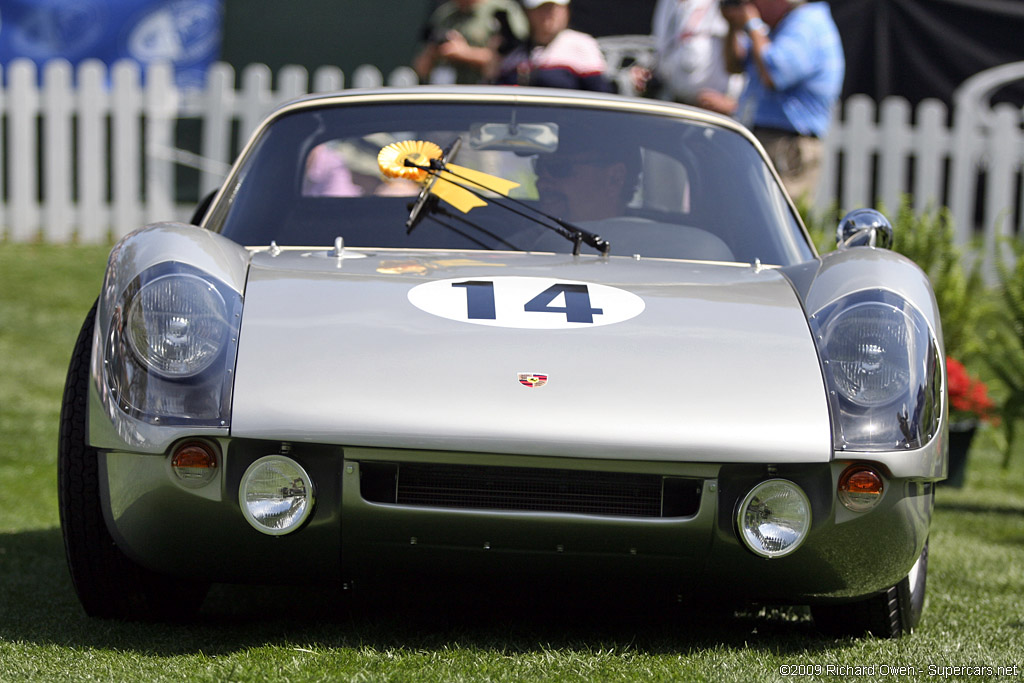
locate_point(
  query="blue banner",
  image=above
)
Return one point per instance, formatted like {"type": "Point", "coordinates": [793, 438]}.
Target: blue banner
{"type": "Point", "coordinates": [186, 33]}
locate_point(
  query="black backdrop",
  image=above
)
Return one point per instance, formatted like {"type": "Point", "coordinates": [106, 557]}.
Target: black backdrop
{"type": "Point", "coordinates": [912, 48]}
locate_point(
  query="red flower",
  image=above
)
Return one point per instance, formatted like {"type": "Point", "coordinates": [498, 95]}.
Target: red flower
{"type": "Point", "coordinates": [968, 395]}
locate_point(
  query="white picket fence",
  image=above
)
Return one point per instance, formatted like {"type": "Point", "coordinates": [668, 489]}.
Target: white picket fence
{"type": "Point", "coordinates": [92, 154]}
{"type": "Point", "coordinates": [973, 165]}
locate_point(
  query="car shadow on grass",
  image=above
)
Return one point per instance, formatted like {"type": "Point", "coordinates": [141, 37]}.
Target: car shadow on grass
{"type": "Point", "coordinates": [39, 606]}
{"type": "Point", "coordinates": [953, 506]}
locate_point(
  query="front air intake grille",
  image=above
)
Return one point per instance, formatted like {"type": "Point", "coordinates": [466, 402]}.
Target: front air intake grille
{"type": "Point", "coordinates": [483, 487]}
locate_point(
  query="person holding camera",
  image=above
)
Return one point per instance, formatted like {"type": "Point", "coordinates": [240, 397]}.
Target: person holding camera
{"type": "Point", "coordinates": [468, 36]}
{"type": "Point", "coordinates": [688, 38]}
{"type": "Point", "coordinates": [793, 58]}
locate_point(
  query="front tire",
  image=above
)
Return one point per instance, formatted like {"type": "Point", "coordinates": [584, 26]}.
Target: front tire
{"type": "Point", "coordinates": [108, 583]}
{"type": "Point", "coordinates": [889, 614]}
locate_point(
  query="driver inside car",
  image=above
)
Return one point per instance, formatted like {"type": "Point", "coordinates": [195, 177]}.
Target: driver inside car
{"type": "Point", "coordinates": [591, 182]}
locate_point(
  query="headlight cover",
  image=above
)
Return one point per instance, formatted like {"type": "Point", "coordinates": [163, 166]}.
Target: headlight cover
{"type": "Point", "coordinates": [177, 325]}
{"type": "Point", "coordinates": [170, 351]}
{"type": "Point", "coordinates": [881, 365]}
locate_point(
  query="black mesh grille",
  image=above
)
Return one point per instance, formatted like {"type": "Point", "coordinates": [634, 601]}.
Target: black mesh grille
{"type": "Point", "coordinates": [484, 487]}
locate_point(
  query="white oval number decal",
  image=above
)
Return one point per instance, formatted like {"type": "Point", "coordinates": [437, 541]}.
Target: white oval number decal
{"type": "Point", "coordinates": [535, 303]}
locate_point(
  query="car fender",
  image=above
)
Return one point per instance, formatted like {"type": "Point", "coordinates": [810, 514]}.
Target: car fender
{"type": "Point", "coordinates": [109, 427]}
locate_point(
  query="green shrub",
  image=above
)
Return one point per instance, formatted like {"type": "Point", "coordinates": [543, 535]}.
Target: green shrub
{"type": "Point", "coordinates": [1005, 343]}
{"type": "Point", "coordinates": [927, 239]}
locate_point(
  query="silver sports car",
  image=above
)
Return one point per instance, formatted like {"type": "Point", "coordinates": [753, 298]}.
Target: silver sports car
{"type": "Point", "coordinates": [474, 332]}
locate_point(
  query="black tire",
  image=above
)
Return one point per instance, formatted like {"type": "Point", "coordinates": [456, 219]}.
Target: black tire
{"type": "Point", "coordinates": [889, 614]}
{"type": "Point", "coordinates": [108, 583]}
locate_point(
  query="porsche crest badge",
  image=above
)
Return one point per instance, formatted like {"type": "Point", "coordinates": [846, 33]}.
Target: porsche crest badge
{"type": "Point", "coordinates": [532, 380]}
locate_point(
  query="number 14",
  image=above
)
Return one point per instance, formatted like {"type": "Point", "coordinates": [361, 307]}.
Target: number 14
{"type": "Point", "coordinates": [577, 309]}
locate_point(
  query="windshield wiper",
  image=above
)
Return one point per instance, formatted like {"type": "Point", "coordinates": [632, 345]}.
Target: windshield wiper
{"type": "Point", "coordinates": [426, 200]}
{"type": "Point", "coordinates": [427, 203]}
{"type": "Point", "coordinates": [434, 210]}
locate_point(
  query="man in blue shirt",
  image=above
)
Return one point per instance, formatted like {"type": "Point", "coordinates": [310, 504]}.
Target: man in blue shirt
{"type": "Point", "coordinates": [793, 57]}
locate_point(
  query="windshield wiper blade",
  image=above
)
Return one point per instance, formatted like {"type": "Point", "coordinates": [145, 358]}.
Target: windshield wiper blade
{"type": "Point", "coordinates": [574, 233]}
{"type": "Point", "coordinates": [426, 202]}
{"type": "Point", "coordinates": [436, 211]}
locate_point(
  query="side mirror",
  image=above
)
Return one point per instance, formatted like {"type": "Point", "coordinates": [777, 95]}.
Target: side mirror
{"type": "Point", "coordinates": [864, 228]}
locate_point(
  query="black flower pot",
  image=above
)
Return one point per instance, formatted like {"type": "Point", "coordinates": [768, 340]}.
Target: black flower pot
{"type": "Point", "coordinates": [960, 437]}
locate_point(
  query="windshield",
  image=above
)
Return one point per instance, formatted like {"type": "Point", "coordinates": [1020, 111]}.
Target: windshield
{"type": "Point", "coordinates": [648, 185]}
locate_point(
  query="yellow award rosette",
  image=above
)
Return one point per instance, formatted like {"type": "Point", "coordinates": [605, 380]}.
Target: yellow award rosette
{"type": "Point", "coordinates": [450, 182]}
{"type": "Point", "coordinates": [392, 158]}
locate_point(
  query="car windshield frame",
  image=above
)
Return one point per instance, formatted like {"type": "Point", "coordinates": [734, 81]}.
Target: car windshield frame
{"type": "Point", "coordinates": [729, 189]}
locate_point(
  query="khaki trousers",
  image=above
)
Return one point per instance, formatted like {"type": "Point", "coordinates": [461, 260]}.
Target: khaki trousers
{"type": "Point", "coordinates": [797, 158]}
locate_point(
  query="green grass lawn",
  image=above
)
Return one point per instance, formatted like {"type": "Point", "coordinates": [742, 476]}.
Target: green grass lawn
{"type": "Point", "coordinates": [974, 616]}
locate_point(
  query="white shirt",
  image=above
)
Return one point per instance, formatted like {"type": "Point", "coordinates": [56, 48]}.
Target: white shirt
{"type": "Point", "coordinates": [689, 37]}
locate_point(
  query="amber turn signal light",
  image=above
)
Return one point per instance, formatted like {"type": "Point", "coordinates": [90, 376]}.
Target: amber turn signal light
{"type": "Point", "coordinates": [194, 463]}
{"type": "Point", "coordinates": [860, 488]}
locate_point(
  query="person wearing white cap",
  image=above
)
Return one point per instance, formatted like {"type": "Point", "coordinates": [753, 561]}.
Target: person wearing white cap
{"type": "Point", "coordinates": [555, 55]}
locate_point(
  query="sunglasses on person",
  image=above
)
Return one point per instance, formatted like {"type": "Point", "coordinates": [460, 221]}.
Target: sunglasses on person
{"type": "Point", "coordinates": [563, 168]}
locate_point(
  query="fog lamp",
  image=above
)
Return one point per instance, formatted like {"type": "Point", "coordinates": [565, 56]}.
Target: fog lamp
{"type": "Point", "coordinates": [194, 463]}
{"type": "Point", "coordinates": [860, 488]}
{"type": "Point", "coordinates": [774, 518]}
{"type": "Point", "coordinates": [276, 495]}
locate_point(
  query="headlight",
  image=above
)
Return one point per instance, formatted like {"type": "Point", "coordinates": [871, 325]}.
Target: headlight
{"type": "Point", "coordinates": [882, 369]}
{"type": "Point", "coordinates": [170, 349]}
{"type": "Point", "coordinates": [276, 495]}
{"type": "Point", "coordinates": [868, 348]}
{"type": "Point", "coordinates": [177, 325]}
{"type": "Point", "coordinates": [774, 518]}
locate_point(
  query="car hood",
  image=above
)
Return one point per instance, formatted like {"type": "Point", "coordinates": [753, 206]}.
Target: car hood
{"type": "Point", "coordinates": [495, 353]}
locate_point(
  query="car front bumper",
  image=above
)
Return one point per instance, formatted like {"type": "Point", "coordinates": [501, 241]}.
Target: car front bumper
{"type": "Point", "coordinates": [359, 531]}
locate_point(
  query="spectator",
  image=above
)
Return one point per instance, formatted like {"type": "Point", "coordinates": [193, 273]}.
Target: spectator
{"type": "Point", "coordinates": [467, 36]}
{"type": "Point", "coordinates": [791, 52]}
{"type": "Point", "coordinates": [689, 37]}
{"type": "Point", "coordinates": [554, 55]}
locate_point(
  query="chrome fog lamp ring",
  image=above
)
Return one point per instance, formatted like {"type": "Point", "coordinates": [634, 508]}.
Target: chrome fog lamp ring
{"type": "Point", "coordinates": [276, 495]}
{"type": "Point", "coordinates": [774, 518]}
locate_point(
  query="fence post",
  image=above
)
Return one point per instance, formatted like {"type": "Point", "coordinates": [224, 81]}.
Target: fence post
{"type": "Point", "coordinates": [218, 105]}
{"type": "Point", "coordinates": [403, 77]}
{"type": "Point", "coordinates": [860, 117]}
{"type": "Point", "coordinates": [931, 145]}
{"type": "Point", "coordinates": [292, 82]}
{"type": "Point", "coordinates": [58, 214]}
{"type": "Point", "coordinates": [92, 145]}
{"type": "Point", "coordinates": [896, 135]}
{"type": "Point", "coordinates": [3, 158]}
{"type": "Point", "coordinates": [23, 103]}
{"type": "Point", "coordinates": [367, 76]}
{"type": "Point", "coordinates": [125, 147]}
{"type": "Point", "coordinates": [161, 100]}
{"type": "Point", "coordinates": [1003, 155]}
{"type": "Point", "coordinates": [255, 100]}
{"type": "Point", "coordinates": [328, 79]}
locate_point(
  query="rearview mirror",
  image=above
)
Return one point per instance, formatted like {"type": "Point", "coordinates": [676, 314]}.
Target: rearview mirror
{"type": "Point", "coordinates": [522, 138]}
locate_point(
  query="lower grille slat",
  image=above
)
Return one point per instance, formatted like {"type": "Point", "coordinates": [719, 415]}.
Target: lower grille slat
{"type": "Point", "coordinates": [484, 487]}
